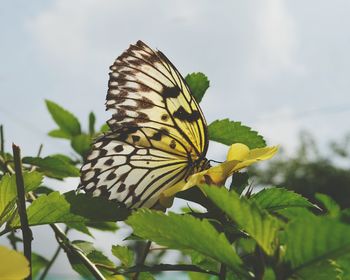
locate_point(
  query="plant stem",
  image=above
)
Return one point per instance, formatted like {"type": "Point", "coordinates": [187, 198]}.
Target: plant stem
{"type": "Point", "coordinates": [2, 141]}
{"type": "Point", "coordinates": [222, 273]}
{"type": "Point", "coordinates": [143, 258]}
{"type": "Point", "coordinates": [21, 203]}
{"type": "Point", "coordinates": [53, 259]}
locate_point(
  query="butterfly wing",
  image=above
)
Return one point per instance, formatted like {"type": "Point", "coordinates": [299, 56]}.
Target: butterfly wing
{"type": "Point", "coordinates": [145, 89]}
{"type": "Point", "coordinates": [131, 167]}
{"type": "Point", "coordinates": [158, 132]}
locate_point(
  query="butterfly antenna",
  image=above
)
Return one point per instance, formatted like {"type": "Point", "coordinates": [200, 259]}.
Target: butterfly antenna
{"type": "Point", "coordinates": [212, 160]}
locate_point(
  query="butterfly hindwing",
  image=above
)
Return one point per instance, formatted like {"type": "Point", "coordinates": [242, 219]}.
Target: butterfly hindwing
{"type": "Point", "coordinates": [129, 171]}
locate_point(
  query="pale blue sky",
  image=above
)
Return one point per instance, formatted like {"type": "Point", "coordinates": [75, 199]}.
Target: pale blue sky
{"type": "Point", "coordinates": [278, 66]}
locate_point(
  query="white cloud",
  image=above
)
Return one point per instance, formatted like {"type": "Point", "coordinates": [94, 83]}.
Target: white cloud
{"type": "Point", "coordinates": [276, 41]}
{"type": "Point", "coordinates": [280, 127]}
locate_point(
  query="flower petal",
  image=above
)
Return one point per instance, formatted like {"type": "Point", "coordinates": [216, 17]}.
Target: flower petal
{"type": "Point", "coordinates": [239, 156]}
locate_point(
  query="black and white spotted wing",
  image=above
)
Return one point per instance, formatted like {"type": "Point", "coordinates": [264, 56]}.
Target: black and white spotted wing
{"type": "Point", "coordinates": [158, 133]}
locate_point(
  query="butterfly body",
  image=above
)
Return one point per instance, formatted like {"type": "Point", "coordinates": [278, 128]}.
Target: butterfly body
{"type": "Point", "coordinates": [158, 133]}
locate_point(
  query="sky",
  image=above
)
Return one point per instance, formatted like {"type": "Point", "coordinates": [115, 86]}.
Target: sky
{"type": "Point", "coordinates": [278, 66]}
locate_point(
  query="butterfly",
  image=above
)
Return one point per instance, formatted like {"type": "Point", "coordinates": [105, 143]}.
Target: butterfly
{"type": "Point", "coordinates": [158, 134]}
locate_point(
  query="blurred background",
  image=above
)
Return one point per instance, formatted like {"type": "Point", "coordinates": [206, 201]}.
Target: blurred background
{"type": "Point", "coordinates": [280, 67]}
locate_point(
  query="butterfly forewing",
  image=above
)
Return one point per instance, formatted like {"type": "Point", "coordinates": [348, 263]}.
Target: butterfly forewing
{"type": "Point", "coordinates": [158, 132]}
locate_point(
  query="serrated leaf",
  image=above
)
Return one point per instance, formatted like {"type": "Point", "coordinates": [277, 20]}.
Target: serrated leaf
{"type": "Point", "coordinates": [198, 83]}
{"type": "Point", "coordinates": [239, 182]}
{"type": "Point", "coordinates": [229, 132]}
{"type": "Point", "coordinates": [313, 239]}
{"type": "Point", "coordinates": [273, 199]}
{"type": "Point", "coordinates": [248, 215]}
{"type": "Point", "coordinates": [53, 166]}
{"type": "Point", "coordinates": [59, 133]}
{"type": "Point", "coordinates": [96, 209]}
{"type": "Point", "coordinates": [81, 144]}
{"type": "Point", "coordinates": [332, 208]}
{"type": "Point", "coordinates": [49, 209]}
{"type": "Point", "coordinates": [65, 120]}
{"type": "Point", "coordinates": [184, 232]}
{"type": "Point", "coordinates": [8, 191]}
{"type": "Point", "coordinates": [38, 263]}
{"type": "Point", "coordinates": [124, 254]}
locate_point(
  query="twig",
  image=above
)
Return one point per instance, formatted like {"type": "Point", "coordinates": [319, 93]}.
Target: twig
{"type": "Point", "coordinates": [2, 141]}
{"type": "Point", "coordinates": [53, 259]}
{"type": "Point", "coordinates": [143, 258]}
{"type": "Point", "coordinates": [222, 273]}
{"type": "Point", "coordinates": [21, 203]}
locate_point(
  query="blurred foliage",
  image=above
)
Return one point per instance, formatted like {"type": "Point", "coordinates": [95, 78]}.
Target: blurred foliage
{"type": "Point", "coordinates": [310, 170]}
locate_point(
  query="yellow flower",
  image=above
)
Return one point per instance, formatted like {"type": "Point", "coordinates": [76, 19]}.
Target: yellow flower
{"type": "Point", "coordinates": [14, 265]}
{"type": "Point", "coordinates": [238, 157]}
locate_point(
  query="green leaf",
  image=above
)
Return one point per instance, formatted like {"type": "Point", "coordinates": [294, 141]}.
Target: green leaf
{"type": "Point", "coordinates": [92, 121]}
{"type": "Point", "coordinates": [229, 132]}
{"type": "Point", "coordinates": [59, 133]}
{"type": "Point", "coordinates": [53, 166]}
{"type": "Point", "coordinates": [49, 209]}
{"type": "Point", "coordinates": [8, 191]}
{"type": "Point", "coordinates": [248, 215]}
{"type": "Point", "coordinates": [65, 120]}
{"type": "Point", "coordinates": [94, 255]}
{"type": "Point", "coordinates": [269, 274]}
{"type": "Point", "coordinates": [80, 226]}
{"type": "Point", "coordinates": [198, 83]}
{"type": "Point", "coordinates": [38, 263]}
{"type": "Point", "coordinates": [198, 276]}
{"type": "Point", "coordinates": [273, 199]}
{"type": "Point", "coordinates": [96, 209]}
{"type": "Point", "coordinates": [184, 232]}
{"type": "Point", "coordinates": [203, 261]}
{"type": "Point", "coordinates": [103, 226]}
{"type": "Point", "coordinates": [332, 208]}
{"type": "Point", "coordinates": [82, 144]}
{"type": "Point", "coordinates": [64, 158]}
{"type": "Point", "coordinates": [293, 213]}
{"type": "Point", "coordinates": [239, 182]}
{"type": "Point", "coordinates": [146, 276]}
{"type": "Point", "coordinates": [104, 128]}
{"type": "Point", "coordinates": [124, 254]}
{"type": "Point", "coordinates": [313, 239]}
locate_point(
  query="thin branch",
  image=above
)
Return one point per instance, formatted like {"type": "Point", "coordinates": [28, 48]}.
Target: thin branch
{"type": "Point", "coordinates": [21, 203]}
{"type": "Point", "coordinates": [2, 141]}
{"type": "Point", "coordinates": [168, 267]}
{"type": "Point", "coordinates": [53, 259]}
{"type": "Point", "coordinates": [143, 258]}
{"type": "Point", "coordinates": [222, 273]}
